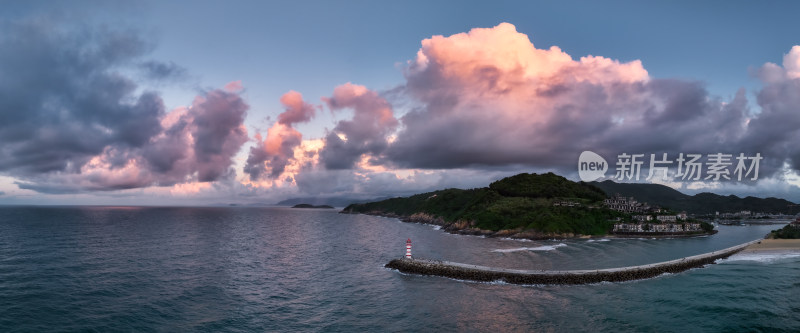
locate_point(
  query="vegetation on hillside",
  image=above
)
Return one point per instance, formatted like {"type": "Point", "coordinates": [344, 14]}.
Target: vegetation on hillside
{"type": "Point", "coordinates": [548, 185]}
{"type": "Point", "coordinates": [525, 201]}
{"type": "Point", "coordinates": [787, 232]}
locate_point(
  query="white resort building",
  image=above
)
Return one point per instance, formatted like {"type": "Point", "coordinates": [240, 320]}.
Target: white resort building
{"type": "Point", "coordinates": [626, 204]}
{"type": "Point", "coordinates": [656, 227]}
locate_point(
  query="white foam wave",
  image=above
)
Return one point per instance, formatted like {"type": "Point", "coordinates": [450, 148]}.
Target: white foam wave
{"type": "Point", "coordinates": [538, 248]}
{"type": "Point", "coordinates": [764, 257]}
{"type": "Point", "coordinates": [516, 239]}
{"type": "Point", "coordinates": [598, 240]}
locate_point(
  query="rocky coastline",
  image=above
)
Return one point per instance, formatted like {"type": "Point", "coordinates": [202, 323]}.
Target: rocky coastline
{"type": "Point", "coordinates": [463, 227]}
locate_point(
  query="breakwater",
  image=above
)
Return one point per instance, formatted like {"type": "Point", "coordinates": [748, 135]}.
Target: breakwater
{"type": "Point", "coordinates": [517, 276]}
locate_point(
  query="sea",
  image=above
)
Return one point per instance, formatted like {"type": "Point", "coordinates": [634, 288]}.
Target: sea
{"type": "Point", "coordinates": [256, 269]}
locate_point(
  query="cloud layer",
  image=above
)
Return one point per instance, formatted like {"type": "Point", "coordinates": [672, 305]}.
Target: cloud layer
{"type": "Point", "coordinates": [77, 116]}
{"type": "Point", "coordinates": [490, 99]}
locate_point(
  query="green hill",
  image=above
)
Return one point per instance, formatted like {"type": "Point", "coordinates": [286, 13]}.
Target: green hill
{"type": "Point", "coordinates": [523, 202]}
{"type": "Point", "coordinates": [700, 204]}
{"type": "Point", "coordinates": [548, 185]}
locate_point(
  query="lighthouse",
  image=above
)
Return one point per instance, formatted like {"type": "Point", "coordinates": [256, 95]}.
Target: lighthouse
{"type": "Point", "coordinates": [408, 248]}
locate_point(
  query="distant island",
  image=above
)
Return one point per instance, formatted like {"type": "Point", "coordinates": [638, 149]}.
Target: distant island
{"type": "Point", "coordinates": [304, 205]}
{"type": "Point", "coordinates": [533, 206]}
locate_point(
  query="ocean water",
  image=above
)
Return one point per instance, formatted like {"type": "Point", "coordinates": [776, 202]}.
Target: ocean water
{"type": "Point", "coordinates": [135, 269]}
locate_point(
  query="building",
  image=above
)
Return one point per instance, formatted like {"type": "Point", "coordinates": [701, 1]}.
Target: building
{"type": "Point", "coordinates": [628, 227]}
{"type": "Point", "coordinates": [626, 204]}
{"type": "Point", "coordinates": [739, 214]}
{"type": "Point", "coordinates": [667, 218]}
{"type": "Point", "coordinates": [657, 227]}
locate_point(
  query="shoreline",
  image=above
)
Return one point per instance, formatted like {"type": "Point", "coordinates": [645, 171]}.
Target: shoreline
{"type": "Point", "coordinates": [774, 245]}
{"type": "Point", "coordinates": [462, 228]}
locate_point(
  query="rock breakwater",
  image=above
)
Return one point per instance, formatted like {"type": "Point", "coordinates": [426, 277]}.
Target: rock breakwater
{"type": "Point", "coordinates": [516, 276]}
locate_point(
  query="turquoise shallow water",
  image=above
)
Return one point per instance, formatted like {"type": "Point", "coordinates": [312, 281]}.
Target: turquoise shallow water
{"type": "Point", "coordinates": [280, 269]}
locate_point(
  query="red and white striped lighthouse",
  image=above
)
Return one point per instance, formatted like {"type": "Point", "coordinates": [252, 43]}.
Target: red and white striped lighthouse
{"type": "Point", "coordinates": [408, 248]}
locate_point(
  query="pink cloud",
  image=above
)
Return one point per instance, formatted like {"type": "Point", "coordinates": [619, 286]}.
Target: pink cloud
{"type": "Point", "coordinates": [297, 111]}
{"type": "Point", "coordinates": [276, 151]}
{"type": "Point", "coordinates": [490, 97]}
{"type": "Point", "coordinates": [791, 62]}
{"type": "Point", "coordinates": [234, 86]}
{"type": "Point", "coordinates": [500, 61]}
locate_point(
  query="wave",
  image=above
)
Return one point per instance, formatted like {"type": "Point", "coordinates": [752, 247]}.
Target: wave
{"type": "Point", "coordinates": [598, 240]}
{"type": "Point", "coordinates": [538, 248]}
{"type": "Point", "coordinates": [516, 239]}
{"type": "Point", "coordinates": [765, 257]}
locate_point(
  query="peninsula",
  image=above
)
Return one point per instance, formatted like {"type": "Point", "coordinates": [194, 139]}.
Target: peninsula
{"type": "Point", "coordinates": [529, 206]}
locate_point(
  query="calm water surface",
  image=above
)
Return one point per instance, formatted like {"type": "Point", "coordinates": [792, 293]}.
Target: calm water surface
{"type": "Point", "coordinates": [281, 269]}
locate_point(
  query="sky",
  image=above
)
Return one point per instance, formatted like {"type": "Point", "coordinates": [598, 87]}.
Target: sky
{"type": "Point", "coordinates": [253, 102]}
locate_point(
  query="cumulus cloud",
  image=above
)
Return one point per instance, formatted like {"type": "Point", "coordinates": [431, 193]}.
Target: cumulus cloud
{"type": "Point", "coordinates": [217, 131]}
{"type": "Point", "coordinates": [775, 130]}
{"type": "Point", "coordinates": [490, 99]}
{"type": "Point", "coordinates": [366, 133]}
{"type": "Point", "coordinates": [791, 62]}
{"type": "Point", "coordinates": [277, 150]}
{"type": "Point", "coordinates": [297, 111]}
{"type": "Point", "coordinates": [193, 144]}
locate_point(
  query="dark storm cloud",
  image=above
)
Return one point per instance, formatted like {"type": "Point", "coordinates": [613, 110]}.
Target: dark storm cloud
{"type": "Point", "coordinates": [775, 131]}
{"type": "Point", "coordinates": [70, 120]}
{"type": "Point", "coordinates": [62, 99]}
{"type": "Point", "coordinates": [196, 144]}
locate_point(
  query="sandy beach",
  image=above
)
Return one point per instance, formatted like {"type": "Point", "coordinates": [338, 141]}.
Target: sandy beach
{"type": "Point", "coordinates": [775, 245]}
